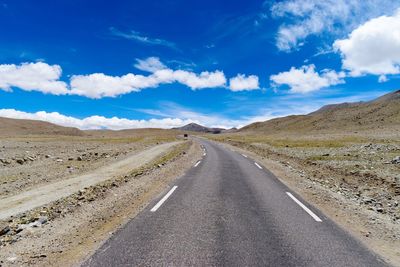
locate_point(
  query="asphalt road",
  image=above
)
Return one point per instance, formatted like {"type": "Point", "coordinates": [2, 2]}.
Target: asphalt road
{"type": "Point", "coordinates": [229, 211]}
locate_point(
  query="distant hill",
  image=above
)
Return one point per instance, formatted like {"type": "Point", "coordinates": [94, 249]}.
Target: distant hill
{"type": "Point", "coordinates": [194, 127]}
{"type": "Point", "coordinates": [231, 130]}
{"type": "Point", "coordinates": [15, 127]}
{"type": "Point", "coordinates": [381, 113]}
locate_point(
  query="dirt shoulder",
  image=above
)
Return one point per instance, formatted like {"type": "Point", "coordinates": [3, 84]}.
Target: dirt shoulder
{"type": "Point", "coordinates": [64, 232]}
{"type": "Point", "coordinates": [368, 211]}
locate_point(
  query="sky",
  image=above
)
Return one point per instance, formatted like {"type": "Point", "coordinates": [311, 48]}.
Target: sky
{"type": "Point", "coordinates": [133, 64]}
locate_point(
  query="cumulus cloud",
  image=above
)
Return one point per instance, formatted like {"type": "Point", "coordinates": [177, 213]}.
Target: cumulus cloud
{"type": "Point", "coordinates": [313, 17]}
{"type": "Point", "coordinates": [45, 78]}
{"type": "Point", "coordinates": [32, 77]}
{"type": "Point", "coordinates": [372, 48]}
{"type": "Point", "coordinates": [99, 85]}
{"type": "Point", "coordinates": [150, 64]}
{"type": "Point", "coordinates": [243, 83]}
{"type": "Point", "coordinates": [305, 79]}
{"type": "Point", "coordinates": [205, 79]}
{"type": "Point", "coordinates": [94, 122]}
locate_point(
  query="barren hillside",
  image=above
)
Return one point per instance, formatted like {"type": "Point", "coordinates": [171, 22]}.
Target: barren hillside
{"type": "Point", "coordinates": [13, 127]}
{"type": "Point", "coordinates": [381, 113]}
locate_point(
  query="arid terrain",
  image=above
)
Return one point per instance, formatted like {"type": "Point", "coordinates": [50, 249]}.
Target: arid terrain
{"type": "Point", "coordinates": [65, 191]}
{"type": "Point", "coordinates": [43, 156]}
{"type": "Point", "coordinates": [344, 158]}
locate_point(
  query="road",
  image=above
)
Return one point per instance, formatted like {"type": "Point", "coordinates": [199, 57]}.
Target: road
{"type": "Point", "coordinates": [228, 210]}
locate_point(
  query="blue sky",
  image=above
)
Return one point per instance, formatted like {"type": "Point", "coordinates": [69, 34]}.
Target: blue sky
{"type": "Point", "coordinates": [127, 64]}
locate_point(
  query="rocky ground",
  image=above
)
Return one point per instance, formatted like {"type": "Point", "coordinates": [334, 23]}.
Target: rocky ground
{"type": "Point", "coordinates": [66, 231]}
{"type": "Point", "coordinates": [28, 161]}
{"type": "Point", "coordinates": [354, 179]}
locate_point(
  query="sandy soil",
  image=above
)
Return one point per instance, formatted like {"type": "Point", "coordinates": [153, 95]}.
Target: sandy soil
{"type": "Point", "coordinates": [352, 184]}
{"type": "Point", "coordinates": [77, 225]}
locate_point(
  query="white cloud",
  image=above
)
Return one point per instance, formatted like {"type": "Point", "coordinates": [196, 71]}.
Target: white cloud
{"type": "Point", "coordinates": [305, 79]}
{"type": "Point", "coordinates": [243, 83]}
{"type": "Point", "coordinates": [45, 78]}
{"type": "Point", "coordinates": [138, 37]}
{"type": "Point", "coordinates": [99, 85]}
{"type": "Point", "coordinates": [32, 77]}
{"type": "Point", "coordinates": [313, 17]}
{"type": "Point", "coordinates": [205, 79]}
{"type": "Point", "coordinates": [373, 48]}
{"type": "Point", "coordinates": [382, 79]}
{"type": "Point", "coordinates": [94, 122]}
{"type": "Point", "coordinates": [150, 64]}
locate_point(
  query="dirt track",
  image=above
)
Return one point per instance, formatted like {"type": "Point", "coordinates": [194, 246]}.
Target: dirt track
{"type": "Point", "coordinates": [42, 195]}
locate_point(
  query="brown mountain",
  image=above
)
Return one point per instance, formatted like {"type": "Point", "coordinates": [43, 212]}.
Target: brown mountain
{"type": "Point", "coordinates": [13, 127]}
{"type": "Point", "coordinates": [381, 113]}
{"type": "Point", "coordinates": [194, 127]}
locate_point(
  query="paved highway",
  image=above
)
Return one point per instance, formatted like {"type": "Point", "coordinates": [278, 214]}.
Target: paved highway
{"type": "Point", "coordinates": [228, 210]}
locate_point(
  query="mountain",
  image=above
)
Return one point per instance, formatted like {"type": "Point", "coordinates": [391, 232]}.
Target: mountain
{"type": "Point", "coordinates": [194, 127]}
{"type": "Point", "coordinates": [13, 127]}
{"type": "Point", "coordinates": [231, 130]}
{"type": "Point", "coordinates": [379, 114]}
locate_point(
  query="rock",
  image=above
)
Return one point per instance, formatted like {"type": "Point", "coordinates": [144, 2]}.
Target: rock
{"type": "Point", "coordinates": [19, 161]}
{"type": "Point", "coordinates": [70, 158]}
{"type": "Point", "coordinates": [42, 219]}
{"type": "Point", "coordinates": [326, 155]}
{"type": "Point", "coordinates": [396, 160]}
{"type": "Point", "coordinates": [30, 158]}
{"type": "Point", "coordinates": [11, 259]}
{"type": "Point", "coordinates": [368, 200]}
{"type": "Point", "coordinates": [47, 156]}
{"type": "Point", "coordinates": [5, 161]}
{"type": "Point", "coordinates": [19, 229]}
{"type": "Point", "coordinates": [59, 160]}
{"type": "Point", "coordinates": [79, 158]}
{"type": "Point", "coordinates": [379, 209]}
{"type": "Point", "coordinates": [5, 230]}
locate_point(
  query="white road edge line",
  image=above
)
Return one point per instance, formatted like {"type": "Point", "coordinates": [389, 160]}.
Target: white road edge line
{"type": "Point", "coordinates": [258, 165]}
{"type": "Point", "coordinates": [244, 155]}
{"type": "Point", "coordinates": [155, 208]}
{"type": "Point", "coordinates": [195, 165]}
{"type": "Point", "coordinates": [312, 214]}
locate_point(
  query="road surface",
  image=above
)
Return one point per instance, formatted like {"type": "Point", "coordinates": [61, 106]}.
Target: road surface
{"type": "Point", "coordinates": [228, 210]}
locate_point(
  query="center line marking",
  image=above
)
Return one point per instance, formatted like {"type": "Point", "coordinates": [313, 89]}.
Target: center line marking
{"type": "Point", "coordinates": [155, 208]}
{"type": "Point", "coordinates": [258, 165]}
{"type": "Point", "coordinates": [195, 165]}
{"type": "Point", "coordinates": [244, 155]}
{"type": "Point", "coordinates": [312, 214]}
